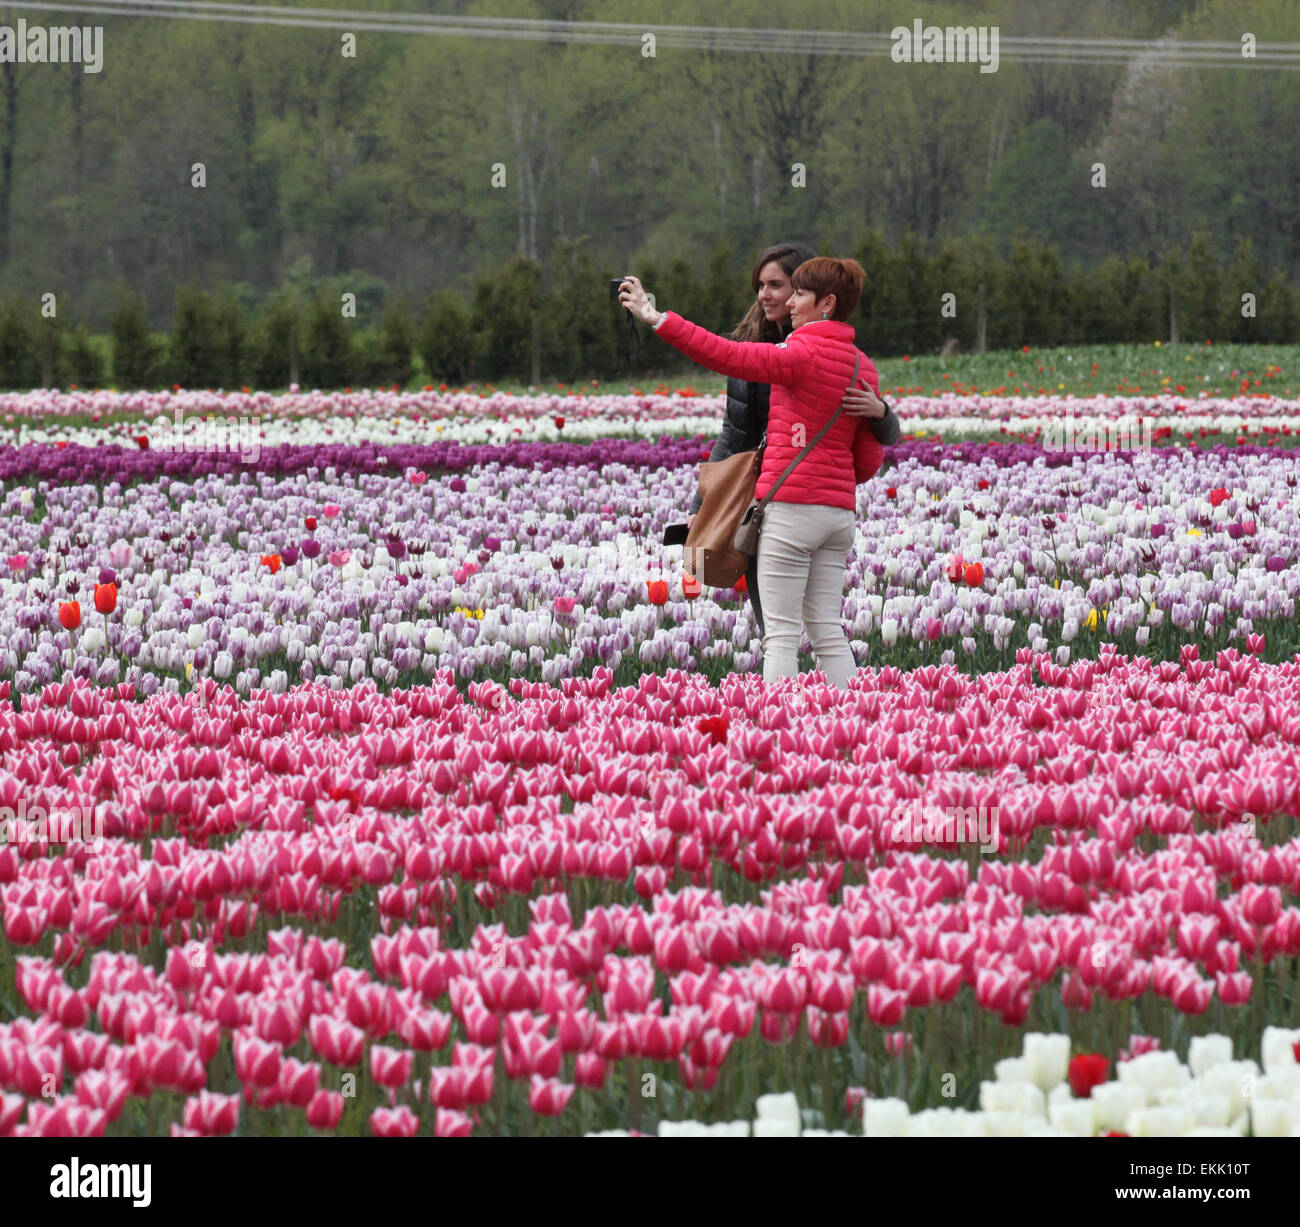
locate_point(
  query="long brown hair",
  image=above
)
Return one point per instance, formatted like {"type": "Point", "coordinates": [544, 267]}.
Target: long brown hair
{"type": "Point", "coordinates": [756, 326]}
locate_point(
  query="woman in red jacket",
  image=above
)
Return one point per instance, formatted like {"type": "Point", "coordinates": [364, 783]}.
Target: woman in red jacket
{"type": "Point", "coordinates": [808, 526]}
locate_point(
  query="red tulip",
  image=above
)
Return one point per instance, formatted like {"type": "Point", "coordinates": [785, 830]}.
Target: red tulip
{"type": "Point", "coordinates": [257, 1062]}
{"type": "Point", "coordinates": [1218, 496]}
{"type": "Point", "coordinates": [310, 522]}
{"type": "Point", "coordinates": [691, 587]}
{"type": "Point", "coordinates": [212, 1115]}
{"type": "Point", "coordinates": [448, 1123]}
{"type": "Point", "coordinates": [69, 615]}
{"type": "Point", "coordinates": [1086, 1071]}
{"type": "Point", "coordinates": [390, 1066]}
{"type": "Point", "coordinates": [589, 1070]}
{"type": "Point", "coordinates": [398, 1122]}
{"type": "Point", "coordinates": [658, 591]}
{"type": "Point", "coordinates": [299, 1082]}
{"type": "Point", "coordinates": [548, 1096]}
{"type": "Point", "coordinates": [716, 727]}
{"type": "Point", "coordinates": [974, 574]}
{"type": "Point", "coordinates": [955, 565]}
{"type": "Point", "coordinates": [325, 1110]}
{"type": "Point", "coordinates": [106, 598]}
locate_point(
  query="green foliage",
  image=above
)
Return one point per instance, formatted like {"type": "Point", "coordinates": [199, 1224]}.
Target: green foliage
{"type": "Point", "coordinates": [273, 343]}
{"type": "Point", "coordinates": [328, 358]}
{"type": "Point", "coordinates": [136, 357]}
{"type": "Point", "coordinates": [19, 369]}
{"type": "Point", "coordinates": [85, 358]}
{"type": "Point", "coordinates": [507, 310]}
{"type": "Point", "coordinates": [198, 342]}
{"type": "Point", "coordinates": [385, 353]}
{"type": "Point", "coordinates": [447, 340]}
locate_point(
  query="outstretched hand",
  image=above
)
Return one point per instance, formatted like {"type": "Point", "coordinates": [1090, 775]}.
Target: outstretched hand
{"type": "Point", "coordinates": [635, 299]}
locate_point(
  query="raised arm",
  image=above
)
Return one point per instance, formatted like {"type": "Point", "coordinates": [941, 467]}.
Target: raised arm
{"type": "Point", "coordinates": [756, 361]}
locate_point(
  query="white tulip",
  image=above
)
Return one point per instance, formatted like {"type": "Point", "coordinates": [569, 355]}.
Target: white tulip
{"type": "Point", "coordinates": [433, 639]}
{"type": "Point", "coordinates": [1006, 1124]}
{"type": "Point", "coordinates": [889, 631]}
{"type": "Point", "coordinates": [1158, 1123]}
{"type": "Point", "coordinates": [1075, 1117]}
{"type": "Point", "coordinates": [1272, 1118]}
{"type": "Point", "coordinates": [1047, 1058]}
{"type": "Point", "coordinates": [1277, 1047]}
{"type": "Point", "coordinates": [1153, 1071]}
{"type": "Point", "coordinates": [1113, 1101]}
{"type": "Point", "coordinates": [1282, 1083]}
{"type": "Point", "coordinates": [884, 1118]}
{"type": "Point", "coordinates": [1012, 1069]}
{"type": "Point", "coordinates": [1235, 1079]}
{"type": "Point", "coordinates": [1023, 1097]}
{"type": "Point", "coordinates": [92, 639]}
{"type": "Point", "coordinates": [778, 1110]}
{"type": "Point", "coordinates": [134, 617]}
{"type": "Point", "coordinates": [1207, 1051]}
{"type": "Point", "coordinates": [1215, 1110]}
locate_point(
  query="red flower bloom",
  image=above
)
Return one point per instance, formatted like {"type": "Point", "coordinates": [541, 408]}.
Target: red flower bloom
{"type": "Point", "coordinates": [310, 522]}
{"type": "Point", "coordinates": [891, 492]}
{"type": "Point", "coordinates": [559, 423]}
{"type": "Point", "coordinates": [716, 727]}
{"type": "Point", "coordinates": [1086, 1071]}
{"type": "Point", "coordinates": [272, 561]}
{"type": "Point", "coordinates": [142, 442]}
{"type": "Point", "coordinates": [106, 598]}
{"type": "Point", "coordinates": [974, 574]}
{"type": "Point", "coordinates": [70, 615]}
{"type": "Point", "coordinates": [691, 587]}
{"type": "Point", "coordinates": [658, 591]}
{"type": "Point", "coordinates": [955, 568]}
{"type": "Point", "coordinates": [1218, 496]}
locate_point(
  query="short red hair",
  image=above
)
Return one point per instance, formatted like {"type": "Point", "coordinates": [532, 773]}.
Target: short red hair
{"type": "Point", "coordinates": [827, 275]}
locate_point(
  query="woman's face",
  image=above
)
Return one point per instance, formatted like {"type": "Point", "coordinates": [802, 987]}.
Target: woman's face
{"type": "Point", "coordinates": [805, 306]}
{"type": "Point", "coordinates": [774, 290]}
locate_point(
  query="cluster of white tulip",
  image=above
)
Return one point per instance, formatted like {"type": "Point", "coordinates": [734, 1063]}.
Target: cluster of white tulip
{"type": "Point", "coordinates": [1154, 1095]}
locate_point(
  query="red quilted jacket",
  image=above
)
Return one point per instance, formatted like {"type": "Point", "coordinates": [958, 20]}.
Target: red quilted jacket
{"type": "Point", "coordinates": [809, 372]}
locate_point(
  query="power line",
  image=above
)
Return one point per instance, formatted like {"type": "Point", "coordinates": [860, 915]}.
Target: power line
{"type": "Point", "coordinates": [1015, 48]}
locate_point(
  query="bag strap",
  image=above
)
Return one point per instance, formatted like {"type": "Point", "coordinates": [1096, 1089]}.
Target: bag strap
{"type": "Point", "coordinates": [857, 366]}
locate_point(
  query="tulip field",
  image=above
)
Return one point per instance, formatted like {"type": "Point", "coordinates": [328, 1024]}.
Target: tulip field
{"type": "Point", "coordinates": [367, 766]}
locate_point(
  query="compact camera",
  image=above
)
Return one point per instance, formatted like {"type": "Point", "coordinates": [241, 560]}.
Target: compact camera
{"type": "Point", "coordinates": [614, 287]}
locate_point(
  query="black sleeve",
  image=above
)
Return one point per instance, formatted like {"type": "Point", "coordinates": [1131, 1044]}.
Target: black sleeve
{"type": "Point", "coordinates": [885, 429]}
{"type": "Point", "coordinates": [724, 446]}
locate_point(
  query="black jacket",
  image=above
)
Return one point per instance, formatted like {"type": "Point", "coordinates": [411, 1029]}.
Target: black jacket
{"type": "Point", "coordinates": [745, 420]}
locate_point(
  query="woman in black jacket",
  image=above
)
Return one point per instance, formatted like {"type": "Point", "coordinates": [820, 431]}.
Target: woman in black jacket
{"type": "Point", "coordinates": [745, 418]}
